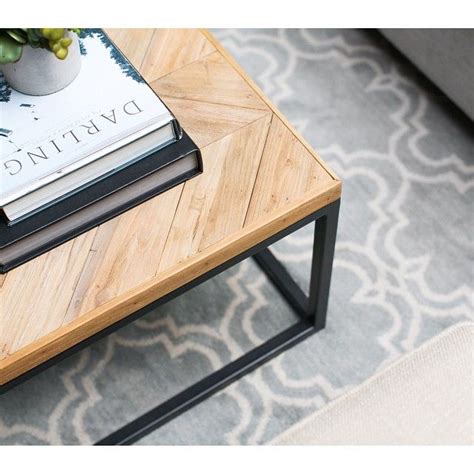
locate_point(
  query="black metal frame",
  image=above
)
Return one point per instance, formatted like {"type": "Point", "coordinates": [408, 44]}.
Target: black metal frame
{"type": "Point", "coordinates": [311, 309]}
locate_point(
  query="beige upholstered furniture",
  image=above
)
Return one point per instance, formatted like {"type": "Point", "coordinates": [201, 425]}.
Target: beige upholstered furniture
{"type": "Point", "coordinates": [426, 397]}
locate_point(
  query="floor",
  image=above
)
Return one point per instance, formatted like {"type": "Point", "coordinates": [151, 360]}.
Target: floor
{"type": "Point", "coordinates": [403, 269]}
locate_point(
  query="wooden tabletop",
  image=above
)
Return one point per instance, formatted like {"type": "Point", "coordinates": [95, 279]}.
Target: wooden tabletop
{"type": "Point", "coordinates": [259, 177]}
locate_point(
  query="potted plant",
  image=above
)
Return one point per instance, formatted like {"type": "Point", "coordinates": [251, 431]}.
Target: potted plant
{"type": "Point", "coordinates": [39, 61]}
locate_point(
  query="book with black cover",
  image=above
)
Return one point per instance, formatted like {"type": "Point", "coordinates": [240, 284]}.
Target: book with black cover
{"type": "Point", "coordinates": [98, 203]}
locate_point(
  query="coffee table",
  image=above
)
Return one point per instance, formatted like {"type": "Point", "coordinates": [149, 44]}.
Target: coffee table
{"type": "Point", "coordinates": [261, 182]}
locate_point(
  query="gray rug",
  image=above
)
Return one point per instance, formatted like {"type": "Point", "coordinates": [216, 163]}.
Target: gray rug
{"type": "Point", "coordinates": [403, 270]}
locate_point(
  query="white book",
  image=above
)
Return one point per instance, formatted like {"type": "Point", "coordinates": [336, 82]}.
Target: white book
{"type": "Point", "coordinates": [42, 197]}
{"type": "Point", "coordinates": [108, 105]}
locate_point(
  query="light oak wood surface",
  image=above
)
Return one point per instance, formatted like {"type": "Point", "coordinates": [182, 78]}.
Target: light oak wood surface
{"type": "Point", "coordinates": [259, 177]}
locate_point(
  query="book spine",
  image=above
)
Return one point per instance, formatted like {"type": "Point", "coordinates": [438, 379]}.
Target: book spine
{"type": "Point", "coordinates": [7, 266]}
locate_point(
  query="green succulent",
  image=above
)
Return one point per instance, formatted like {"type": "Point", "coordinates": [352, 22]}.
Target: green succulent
{"type": "Point", "coordinates": [10, 49]}
{"type": "Point", "coordinates": [13, 40]}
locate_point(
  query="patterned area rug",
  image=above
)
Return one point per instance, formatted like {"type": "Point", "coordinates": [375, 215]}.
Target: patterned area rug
{"type": "Point", "coordinates": [403, 270]}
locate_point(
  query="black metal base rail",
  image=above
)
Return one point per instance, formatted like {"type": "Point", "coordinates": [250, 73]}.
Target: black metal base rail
{"type": "Point", "coordinates": [312, 310]}
{"type": "Point", "coordinates": [208, 386]}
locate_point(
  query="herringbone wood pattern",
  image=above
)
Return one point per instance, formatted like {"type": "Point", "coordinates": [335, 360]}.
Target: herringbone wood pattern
{"type": "Point", "coordinates": [259, 177]}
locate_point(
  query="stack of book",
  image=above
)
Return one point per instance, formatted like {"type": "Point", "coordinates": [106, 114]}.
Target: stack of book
{"type": "Point", "coordinates": [76, 158]}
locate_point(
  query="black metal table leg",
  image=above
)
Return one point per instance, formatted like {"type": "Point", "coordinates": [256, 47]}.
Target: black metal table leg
{"type": "Point", "coordinates": [325, 230]}
{"type": "Point", "coordinates": [314, 306]}
{"type": "Point", "coordinates": [283, 282]}
{"type": "Point", "coordinates": [312, 309]}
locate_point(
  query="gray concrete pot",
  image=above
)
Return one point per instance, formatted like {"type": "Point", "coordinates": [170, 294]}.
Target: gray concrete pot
{"type": "Point", "coordinates": [40, 72]}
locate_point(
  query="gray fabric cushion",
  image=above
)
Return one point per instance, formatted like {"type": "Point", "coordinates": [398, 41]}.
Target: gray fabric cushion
{"type": "Point", "coordinates": [445, 56]}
